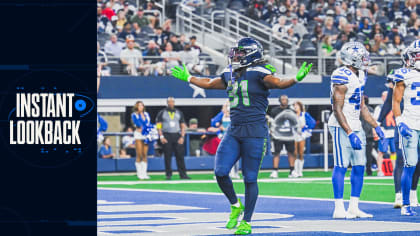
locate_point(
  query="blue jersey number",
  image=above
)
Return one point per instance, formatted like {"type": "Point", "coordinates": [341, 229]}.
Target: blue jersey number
{"type": "Point", "coordinates": [356, 98]}
{"type": "Point", "coordinates": [416, 100]}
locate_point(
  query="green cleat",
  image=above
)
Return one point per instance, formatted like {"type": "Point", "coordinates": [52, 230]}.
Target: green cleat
{"type": "Point", "coordinates": [234, 215]}
{"type": "Point", "coordinates": [244, 228]}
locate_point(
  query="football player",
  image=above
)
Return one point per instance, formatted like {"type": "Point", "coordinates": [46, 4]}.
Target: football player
{"type": "Point", "coordinates": [407, 88]}
{"type": "Point", "coordinates": [349, 141]}
{"type": "Point", "coordinates": [247, 81]}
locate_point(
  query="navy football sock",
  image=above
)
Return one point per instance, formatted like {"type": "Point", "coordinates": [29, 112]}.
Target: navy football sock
{"type": "Point", "coordinates": [406, 179]}
{"type": "Point", "coordinates": [399, 165]}
{"type": "Point", "coordinates": [356, 180]}
{"type": "Point", "coordinates": [225, 184]}
{"type": "Point", "coordinates": [338, 181]}
{"type": "Point", "coordinates": [416, 176]}
{"type": "Point", "coordinates": [251, 195]}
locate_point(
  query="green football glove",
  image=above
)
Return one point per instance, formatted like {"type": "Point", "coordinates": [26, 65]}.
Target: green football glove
{"type": "Point", "coordinates": [303, 71]}
{"type": "Point", "coordinates": [181, 73]}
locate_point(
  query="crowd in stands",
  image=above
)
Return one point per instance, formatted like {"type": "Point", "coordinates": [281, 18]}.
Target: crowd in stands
{"type": "Point", "coordinates": [384, 26]}
{"type": "Point", "coordinates": [133, 41]}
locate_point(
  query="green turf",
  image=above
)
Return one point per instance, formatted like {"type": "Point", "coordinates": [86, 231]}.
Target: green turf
{"type": "Point", "coordinates": [374, 189]}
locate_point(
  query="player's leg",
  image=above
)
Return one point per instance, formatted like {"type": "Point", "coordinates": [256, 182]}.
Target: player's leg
{"type": "Point", "coordinates": [409, 150]}
{"type": "Point", "coordinates": [341, 161]}
{"type": "Point", "coordinates": [392, 149]}
{"type": "Point", "coordinates": [252, 152]}
{"type": "Point", "coordinates": [276, 158]}
{"type": "Point", "coordinates": [358, 162]}
{"type": "Point", "coordinates": [167, 154]}
{"type": "Point", "coordinates": [301, 149]}
{"type": "Point", "coordinates": [226, 156]}
{"type": "Point", "coordinates": [399, 165]}
{"type": "Point", "coordinates": [413, 192]}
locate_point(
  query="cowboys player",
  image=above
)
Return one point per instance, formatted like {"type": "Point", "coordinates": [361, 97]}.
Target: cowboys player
{"type": "Point", "coordinates": [407, 87]}
{"type": "Point", "coordinates": [247, 81]}
{"type": "Point", "coordinates": [349, 141]}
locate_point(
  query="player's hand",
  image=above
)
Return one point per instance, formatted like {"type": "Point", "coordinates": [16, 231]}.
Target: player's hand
{"type": "Point", "coordinates": [379, 132]}
{"type": "Point", "coordinates": [181, 73]}
{"type": "Point", "coordinates": [181, 140]}
{"type": "Point", "coordinates": [355, 141]}
{"type": "Point", "coordinates": [303, 71]}
{"type": "Point", "coordinates": [404, 130]}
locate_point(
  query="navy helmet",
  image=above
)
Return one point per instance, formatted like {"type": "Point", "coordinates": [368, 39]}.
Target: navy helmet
{"type": "Point", "coordinates": [246, 52]}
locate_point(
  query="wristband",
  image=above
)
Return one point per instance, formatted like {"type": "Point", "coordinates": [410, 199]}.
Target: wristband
{"type": "Point", "coordinates": [162, 136]}
{"type": "Point", "coordinates": [189, 79]}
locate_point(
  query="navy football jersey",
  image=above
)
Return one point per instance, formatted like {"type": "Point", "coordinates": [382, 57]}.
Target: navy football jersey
{"type": "Point", "coordinates": [248, 94]}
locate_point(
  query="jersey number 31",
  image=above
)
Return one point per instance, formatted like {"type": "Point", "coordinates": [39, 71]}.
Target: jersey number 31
{"type": "Point", "coordinates": [234, 94]}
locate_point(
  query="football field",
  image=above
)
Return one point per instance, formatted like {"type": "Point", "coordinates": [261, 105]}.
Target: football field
{"type": "Point", "coordinates": [302, 206]}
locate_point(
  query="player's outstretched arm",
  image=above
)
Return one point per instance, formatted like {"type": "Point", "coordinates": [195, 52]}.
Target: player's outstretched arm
{"type": "Point", "coordinates": [206, 83]}
{"type": "Point", "coordinates": [339, 94]}
{"type": "Point", "coordinates": [272, 82]}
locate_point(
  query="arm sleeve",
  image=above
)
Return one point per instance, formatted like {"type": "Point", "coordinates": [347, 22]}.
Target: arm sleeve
{"type": "Point", "coordinates": [387, 107]}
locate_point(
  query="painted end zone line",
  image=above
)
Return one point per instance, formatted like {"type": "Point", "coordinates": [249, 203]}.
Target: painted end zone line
{"type": "Point", "coordinates": [242, 195]}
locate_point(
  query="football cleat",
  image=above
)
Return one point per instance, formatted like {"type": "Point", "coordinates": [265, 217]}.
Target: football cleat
{"type": "Point", "coordinates": [234, 215]}
{"type": "Point", "coordinates": [398, 200]}
{"type": "Point", "coordinates": [380, 174]}
{"type": "Point", "coordinates": [407, 211]}
{"type": "Point", "coordinates": [413, 198]}
{"type": "Point", "coordinates": [339, 213]}
{"type": "Point", "coordinates": [274, 174]}
{"type": "Point", "coordinates": [293, 174]}
{"type": "Point", "coordinates": [244, 228]}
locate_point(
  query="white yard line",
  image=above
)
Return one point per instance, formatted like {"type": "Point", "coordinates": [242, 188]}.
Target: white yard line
{"type": "Point", "coordinates": [209, 193]}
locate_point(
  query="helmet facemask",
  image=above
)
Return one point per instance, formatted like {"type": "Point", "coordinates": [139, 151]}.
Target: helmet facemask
{"type": "Point", "coordinates": [236, 57]}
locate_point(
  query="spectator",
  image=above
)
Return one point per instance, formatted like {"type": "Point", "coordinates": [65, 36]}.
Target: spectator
{"type": "Point", "coordinates": [140, 18]}
{"type": "Point", "coordinates": [108, 12]}
{"type": "Point", "coordinates": [279, 29]}
{"type": "Point", "coordinates": [298, 28]}
{"type": "Point", "coordinates": [141, 119]}
{"type": "Point", "coordinates": [302, 14]}
{"type": "Point", "coordinates": [329, 28]}
{"type": "Point", "coordinates": [415, 29]}
{"type": "Point", "coordinates": [195, 141]}
{"type": "Point", "coordinates": [279, 144]}
{"type": "Point", "coordinates": [131, 57]}
{"type": "Point", "coordinates": [170, 57]}
{"type": "Point", "coordinates": [128, 142]}
{"type": "Point", "coordinates": [113, 46]}
{"type": "Point", "coordinates": [363, 11]}
{"type": "Point", "coordinates": [153, 65]}
{"type": "Point", "coordinates": [317, 14]}
{"type": "Point", "coordinates": [391, 34]}
{"type": "Point", "coordinates": [291, 36]}
{"type": "Point", "coordinates": [102, 127]}
{"type": "Point", "coordinates": [305, 125]}
{"type": "Point", "coordinates": [378, 46]}
{"type": "Point", "coordinates": [121, 20]}
{"type": "Point", "coordinates": [159, 37]}
{"type": "Point", "coordinates": [137, 31]}
{"type": "Point", "coordinates": [193, 4]}
{"type": "Point", "coordinates": [317, 35]}
{"type": "Point", "coordinates": [377, 29]}
{"type": "Point", "coordinates": [396, 47]}
{"type": "Point", "coordinates": [123, 154]}
{"type": "Point", "coordinates": [365, 26]}
{"type": "Point", "coordinates": [102, 61]}
{"type": "Point", "coordinates": [191, 59]}
{"type": "Point", "coordinates": [125, 32]}
{"type": "Point", "coordinates": [183, 40]}
{"type": "Point", "coordinates": [105, 151]}
{"type": "Point", "coordinates": [176, 45]}
{"type": "Point", "coordinates": [326, 47]}
{"type": "Point", "coordinates": [193, 41]}
{"type": "Point", "coordinates": [171, 127]}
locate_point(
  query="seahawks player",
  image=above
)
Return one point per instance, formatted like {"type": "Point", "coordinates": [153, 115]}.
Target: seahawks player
{"type": "Point", "coordinates": [247, 81]}
{"type": "Point", "coordinates": [407, 87]}
{"type": "Point", "coordinates": [349, 141]}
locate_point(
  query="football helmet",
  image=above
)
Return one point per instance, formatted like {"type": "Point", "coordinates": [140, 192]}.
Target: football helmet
{"type": "Point", "coordinates": [355, 54]}
{"type": "Point", "coordinates": [246, 52]}
{"type": "Point", "coordinates": [413, 55]}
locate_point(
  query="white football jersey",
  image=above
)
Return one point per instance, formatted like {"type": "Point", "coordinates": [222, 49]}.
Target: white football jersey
{"type": "Point", "coordinates": [411, 97]}
{"type": "Point", "coordinates": [353, 97]}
